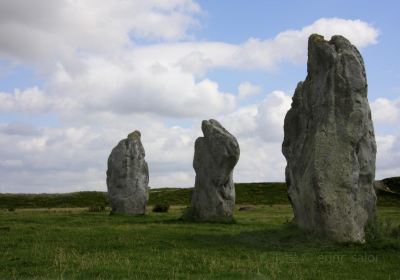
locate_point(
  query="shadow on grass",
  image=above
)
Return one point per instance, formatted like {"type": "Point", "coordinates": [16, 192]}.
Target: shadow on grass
{"type": "Point", "coordinates": [284, 237]}
{"type": "Point", "coordinates": [160, 218]}
{"type": "Point", "coordinates": [288, 237]}
{"type": "Point", "coordinates": [147, 220]}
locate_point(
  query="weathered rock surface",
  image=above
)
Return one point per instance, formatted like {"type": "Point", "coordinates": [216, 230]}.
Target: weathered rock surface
{"type": "Point", "coordinates": [215, 156]}
{"type": "Point", "coordinates": [329, 143]}
{"type": "Point", "coordinates": [128, 176]}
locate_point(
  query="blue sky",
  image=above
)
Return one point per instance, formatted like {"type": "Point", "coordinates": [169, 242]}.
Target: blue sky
{"type": "Point", "coordinates": [237, 21]}
{"type": "Point", "coordinates": [76, 77]}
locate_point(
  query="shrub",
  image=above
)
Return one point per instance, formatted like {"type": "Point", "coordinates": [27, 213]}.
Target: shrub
{"type": "Point", "coordinates": [97, 208]}
{"type": "Point", "coordinates": [161, 207]}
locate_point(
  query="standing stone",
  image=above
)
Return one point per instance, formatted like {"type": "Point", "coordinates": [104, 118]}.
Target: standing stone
{"type": "Point", "coordinates": [128, 177]}
{"type": "Point", "coordinates": [215, 156]}
{"type": "Point", "coordinates": [330, 145]}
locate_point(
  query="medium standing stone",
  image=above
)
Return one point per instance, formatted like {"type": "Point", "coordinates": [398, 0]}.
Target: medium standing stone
{"type": "Point", "coordinates": [128, 176]}
{"type": "Point", "coordinates": [215, 156]}
{"type": "Point", "coordinates": [329, 143]}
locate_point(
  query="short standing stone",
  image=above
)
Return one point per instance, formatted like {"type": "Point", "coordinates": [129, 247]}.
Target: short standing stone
{"type": "Point", "coordinates": [215, 156]}
{"type": "Point", "coordinates": [330, 145]}
{"type": "Point", "coordinates": [128, 176]}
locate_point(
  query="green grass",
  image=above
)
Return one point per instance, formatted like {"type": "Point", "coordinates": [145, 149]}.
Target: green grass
{"type": "Point", "coordinates": [73, 243]}
{"type": "Point", "coordinates": [172, 196]}
{"type": "Point", "coordinates": [246, 193]}
{"type": "Point", "coordinates": [67, 200]}
{"type": "Point", "coordinates": [69, 242]}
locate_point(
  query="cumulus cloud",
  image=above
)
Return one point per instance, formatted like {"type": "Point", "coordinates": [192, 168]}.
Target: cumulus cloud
{"type": "Point", "coordinates": [49, 29]}
{"type": "Point", "coordinates": [75, 158]}
{"type": "Point", "coordinates": [263, 120]}
{"type": "Point", "coordinates": [121, 88]}
{"type": "Point", "coordinates": [291, 45]}
{"type": "Point", "coordinates": [18, 128]}
{"type": "Point", "coordinates": [388, 155]}
{"type": "Point", "coordinates": [259, 130]}
{"type": "Point", "coordinates": [247, 89]}
{"type": "Point", "coordinates": [30, 100]}
{"type": "Point", "coordinates": [167, 79]}
{"type": "Point", "coordinates": [271, 114]}
{"type": "Point", "coordinates": [385, 110]}
{"type": "Point", "coordinates": [111, 67]}
{"type": "Point", "coordinates": [386, 116]}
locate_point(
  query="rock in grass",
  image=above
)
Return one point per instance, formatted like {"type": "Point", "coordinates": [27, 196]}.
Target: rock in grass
{"type": "Point", "coordinates": [246, 208]}
{"type": "Point", "coordinates": [128, 176]}
{"type": "Point", "coordinates": [329, 143]}
{"type": "Point", "coordinates": [215, 156]}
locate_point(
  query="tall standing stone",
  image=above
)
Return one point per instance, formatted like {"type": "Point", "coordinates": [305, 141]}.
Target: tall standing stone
{"type": "Point", "coordinates": [215, 156]}
{"type": "Point", "coordinates": [329, 143]}
{"type": "Point", "coordinates": [128, 176]}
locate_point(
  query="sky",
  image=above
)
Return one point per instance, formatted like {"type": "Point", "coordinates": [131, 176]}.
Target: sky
{"type": "Point", "coordinates": [76, 77]}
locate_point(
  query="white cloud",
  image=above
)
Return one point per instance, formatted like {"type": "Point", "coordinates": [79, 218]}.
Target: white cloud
{"type": "Point", "coordinates": [48, 29]}
{"type": "Point", "coordinates": [260, 161]}
{"type": "Point", "coordinates": [385, 110]}
{"type": "Point", "coordinates": [167, 79]}
{"type": "Point", "coordinates": [75, 158]}
{"type": "Point", "coordinates": [271, 114]}
{"type": "Point", "coordinates": [112, 67]}
{"type": "Point", "coordinates": [388, 156]}
{"type": "Point", "coordinates": [196, 63]}
{"type": "Point", "coordinates": [247, 89]}
{"type": "Point", "coordinates": [121, 88]}
{"type": "Point", "coordinates": [264, 120]}
{"type": "Point", "coordinates": [30, 100]}
{"type": "Point", "coordinates": [18, 128]}
{"type": "Point", "coordinates": [291, 45]}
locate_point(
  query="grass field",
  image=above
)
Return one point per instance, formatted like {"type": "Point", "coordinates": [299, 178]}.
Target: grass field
{"type": "Point", "coordinates": [262, 244]}
{"type": "Point", "coordinates": [246, 193]}
{"type": "Point", "coordinates": [38, 241]}
{"type": "Point", "coordinates": [250, 193]}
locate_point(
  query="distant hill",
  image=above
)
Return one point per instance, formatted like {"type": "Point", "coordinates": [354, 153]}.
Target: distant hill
{"type": "Point", "coordinates": [64, 200]}
{"type": "Point", "coordinates": [389, 191]}
{"type": "Point", "coordinates": [246, 193]}
{"type": "Point", "coordinates": [393, 184]}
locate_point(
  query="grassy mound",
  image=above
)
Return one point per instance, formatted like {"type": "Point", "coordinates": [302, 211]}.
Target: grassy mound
{"type": "Point", "coordinates": [246, 193]}
{"type": "Point", "coordinates": [393, 184]}
{"type": "Point", "coordinates": [65, 200]}
{"type": "Point", "coordinates": [386, 198]}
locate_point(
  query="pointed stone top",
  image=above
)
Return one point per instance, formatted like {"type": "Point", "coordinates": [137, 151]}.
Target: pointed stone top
{"type": "Point", "coordinates": [315, 39]}
{"type": "Point", "coordinates": [134, 135]}
{"type": "Point", "coordinates": [211, 126]}
{"type": "Point", "coordinates": [322, 54]}
{"type": "Point", "coordinates": [337, 41]}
